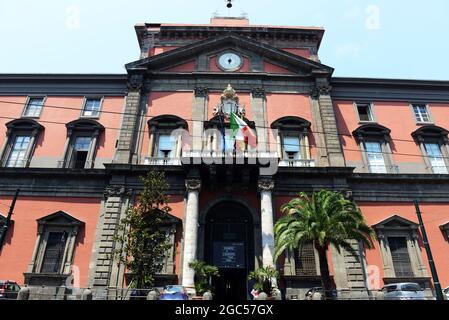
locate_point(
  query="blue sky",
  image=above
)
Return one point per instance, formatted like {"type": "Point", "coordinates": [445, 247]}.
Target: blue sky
{"type": "Point", "coordinates": [364, 38]}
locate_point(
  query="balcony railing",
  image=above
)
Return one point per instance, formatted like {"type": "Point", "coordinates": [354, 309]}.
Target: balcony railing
{"type": "Point", "coordinates": [162, 161]}
{"type": "Point", "coordinates": [88, 164]}
{"type": "Point", "coordinates": [16, 164]}
{"type": "Point", "coordinates": [303, 163]}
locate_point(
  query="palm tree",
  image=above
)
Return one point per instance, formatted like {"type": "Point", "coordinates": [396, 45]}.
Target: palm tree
{"type": "Point", "coordinates": [326, 218]}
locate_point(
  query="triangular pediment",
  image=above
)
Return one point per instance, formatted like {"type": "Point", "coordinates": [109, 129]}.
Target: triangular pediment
{"type": "Point", "coordinates": [185, 55]}
{"type": "Point", "coordinates": [395, 222]}
{"type": "Point", "coordinates": [60, 218]}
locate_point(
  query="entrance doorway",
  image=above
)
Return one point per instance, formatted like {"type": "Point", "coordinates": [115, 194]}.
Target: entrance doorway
{"type": "Point", "coordinates": [229, 245]}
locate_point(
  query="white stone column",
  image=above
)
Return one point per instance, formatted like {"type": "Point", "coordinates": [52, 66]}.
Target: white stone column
{"type": "Point", "coordinates": [267, 222]}
{"type": "Point", "coordinates": [190, 232]}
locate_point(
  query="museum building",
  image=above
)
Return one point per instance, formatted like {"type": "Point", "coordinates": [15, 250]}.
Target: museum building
{"type": "Point", "coordinates": [76, 144]}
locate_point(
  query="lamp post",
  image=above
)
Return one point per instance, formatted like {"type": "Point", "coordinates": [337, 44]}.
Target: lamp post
{"type": "Point", "coordinates": [433, 270]}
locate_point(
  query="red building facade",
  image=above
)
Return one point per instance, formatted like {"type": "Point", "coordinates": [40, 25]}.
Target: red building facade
{"type": "Point", "coordinates": [76, 145]}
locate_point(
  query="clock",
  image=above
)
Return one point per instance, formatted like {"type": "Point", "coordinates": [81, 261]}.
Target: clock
{"type": "Point", "coordinates": [230, 61]}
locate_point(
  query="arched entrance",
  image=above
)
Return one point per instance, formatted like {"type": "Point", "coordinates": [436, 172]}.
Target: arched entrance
{"type": "Point", "coordinates": [229, 245]}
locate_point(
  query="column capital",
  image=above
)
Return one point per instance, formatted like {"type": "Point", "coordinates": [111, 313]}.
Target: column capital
{"type": "Point", "coordinates": [193, 185]}
{"type": "Point", "coordinates": [266, 185]}
{"type": "Point", "coordinates": [113, 191]}
{"type": "Point", "coordinates": [319, 90]}
{"type": "Point", "coordinates": [201, 92]}
{"type": "Point", "coordinates": [135, 82]}
{"type": "Point", "coordinates": [258, 93]}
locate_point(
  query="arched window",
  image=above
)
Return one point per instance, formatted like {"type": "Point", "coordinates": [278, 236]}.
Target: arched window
{"type": "Point", "coordinates": [166, 140]}
{"type": "Point", "coordinates": [81, 144]}
{"type": "Point", "coordinates": [21, 140]}
{"type": "Point", "coordinates": [374, 142]}
{"type": "Point", "coordinates": [293, 141]}
{"type": "Point", "coordinates": [433, 142]}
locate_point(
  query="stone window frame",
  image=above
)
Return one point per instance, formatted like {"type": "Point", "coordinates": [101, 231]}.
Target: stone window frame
{"type": "Point", "coordinates": [165, 124]}
{"type": "Point", "coordinates": [59, 221]}
{"type": "Point", "coordinates": [171, 229]}
{"type": "Point", "coordinates": [429, 114]}
{"type": "Point", "coordinates": [23, 126]}
{"type": "Point", "coordinates": [432, 134]}
{"type": "Point", "coordinates": [81, 128]}
{"type": "Point", "coordinates": [290, 264]}
{"type": "Point", "coordinates": [211, 139]}
{"type": "Point", "coordinates": [371, 109]}
{"type": "Point", "coordinates": [445, 230]}
{"type": "Point", "coordinates": [373, 132]}
{"type": "Point", "coordinates": [397, 226]}
{"type": "Point", "coordinates": [297, 127]}
{"type": "Point", "coordinates": [93, 97]}
{"type": "Point", "coordinates": [27, 103]}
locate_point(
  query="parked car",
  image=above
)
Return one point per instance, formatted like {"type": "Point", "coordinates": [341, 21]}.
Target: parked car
{"type": "Point", "coordinates": [9, 290]}
{"type": "Point", "coordinates": [446, 292]}
{"type": "Point", "coordinates": [174, 293]}
{"type": "Point", "coordinates": [320, 290]}
{"type": "Point", "coordinates": [403, 291]}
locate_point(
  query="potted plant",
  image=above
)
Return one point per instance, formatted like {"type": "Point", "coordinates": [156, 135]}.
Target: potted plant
{"type": "Point", "coordinates": [203, 276]}
{"type": "Point", "coordinates": [264, 278]}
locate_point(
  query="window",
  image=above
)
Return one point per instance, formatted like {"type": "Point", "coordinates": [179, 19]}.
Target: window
{"type": "Point", "coordinates": [293, 142]}
{"type": "Point", "coordinates": [17, 156]}
{"type": "Point", "coordinates": [34, 107]}
{"type": "Point", "coordinates": [92, 108]}
{"type": "Point", "coordinates": [21, 140]}
{"type": "Point", "coordinates": [166, 146]}
{"type": "Point", "coordinates": [51, 262]}
{"type": "Point", "coordinates": [433, 142]}
{"type": "Point", "coordinates": [400, 250]}
{"type": "Point", "coordinates": [292, 149]}
{"type": "Point", "coordinates": [375, 157]}
{"type": "Point", "coordinates": [436, 158]}
{"type": "Point", "coordinates": [421, 113]}
{"type": "Point", "coordinates": [54, 252]}
{"type": "Point", "coordinates": [305, 263]}
{"type": "Point", "coordinates": [400, 257]}
{"type": "Point", "coordinates": [365, 113]}
{"type": "Point", "coordinates": [374, 143]}
{"type": "Point", "coordinates": [80, 152]}
{"type": "Point", "coordinates": [81, 145]}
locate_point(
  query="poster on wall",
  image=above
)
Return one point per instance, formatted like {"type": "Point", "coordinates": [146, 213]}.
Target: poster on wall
{"type": "Point", "coordinates": [229, 255]}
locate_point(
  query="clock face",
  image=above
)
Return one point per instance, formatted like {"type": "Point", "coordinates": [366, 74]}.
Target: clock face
{"type": "Point", "coordinates": [230, 61]}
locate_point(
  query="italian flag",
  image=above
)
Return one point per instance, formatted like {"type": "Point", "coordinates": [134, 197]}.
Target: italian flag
{"type": "Point", "coordinates": [242, 133]}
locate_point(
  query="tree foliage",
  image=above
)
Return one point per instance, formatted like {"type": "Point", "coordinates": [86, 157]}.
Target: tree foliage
{"type": "Point", "coordinates": [142, 239]}
{"type": "Point", "coordinates": [326, 218]}
{"type": "Point", "coordinates": [203, 272]}
{"type": "Point", "coordinates": [263, 278]}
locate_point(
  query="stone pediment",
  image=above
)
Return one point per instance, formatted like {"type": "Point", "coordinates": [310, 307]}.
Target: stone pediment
{"type": "Point", "coordinates": [232, 42]}
{"type": "Point", "coordinates": [395, 222]}
{"type": "Point", "coordinates": [59, 218]}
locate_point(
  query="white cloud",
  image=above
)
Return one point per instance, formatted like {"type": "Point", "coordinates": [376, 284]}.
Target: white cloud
{"type": "Point", "coordinates": [73, 20]}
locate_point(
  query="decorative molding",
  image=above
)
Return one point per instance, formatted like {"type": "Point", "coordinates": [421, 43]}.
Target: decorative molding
{"type": "Point", "coordinates": [320, 90]}
{"type": "Point", "coordinates": [135, 82]}
{"type": "Point", "coordinates": [193, 185]}
{"type": "Point", "coordinates": [201, 92]}
{"type": "Point", "coordinates": [266, 185]}
{"type": "Point", "coordinates": [117, 192]}
{"type": "Point", "coordinates": [258, 93]}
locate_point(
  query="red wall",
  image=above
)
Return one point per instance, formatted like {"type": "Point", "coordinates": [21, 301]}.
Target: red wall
{"type": "Point", "coordinates": [57, 112]}
{"type": "Point", "coordinates": [434, 215]}
{"type": "Point", "coordinates": [402, 125]}
{"type": "Point", "coordinates": [18, 249]}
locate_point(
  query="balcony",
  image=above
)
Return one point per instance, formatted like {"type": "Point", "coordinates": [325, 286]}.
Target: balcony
{"type": "Point", "coordinates": [15, 163]}
{"type": "Point", "coordinates": [150, 161]}
{"type": "Point", "coordinates": [76, 164]}
{"type": "Point", "coordinates": [304, 163]}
